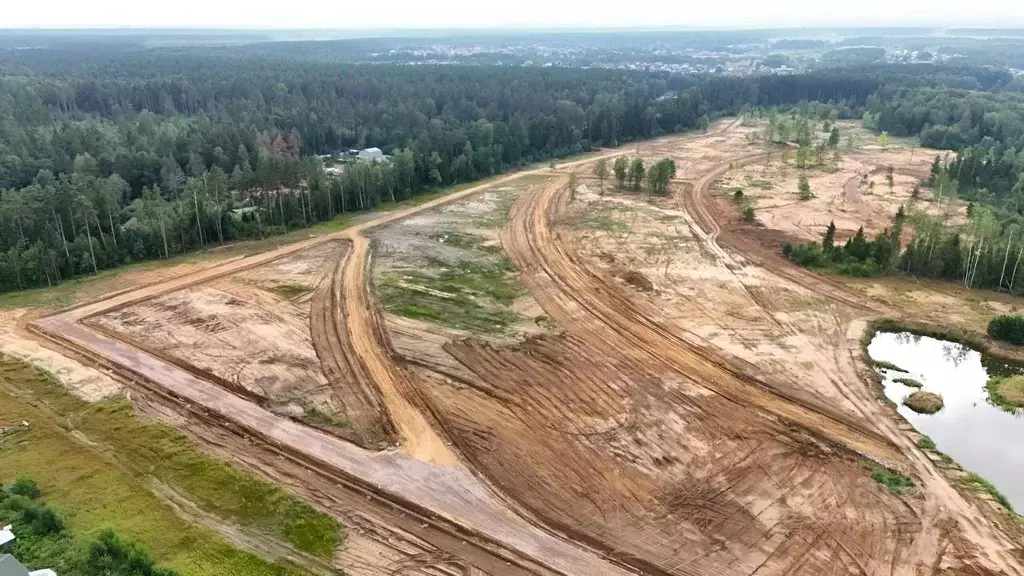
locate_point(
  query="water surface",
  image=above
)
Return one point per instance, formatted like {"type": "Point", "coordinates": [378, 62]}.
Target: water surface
{"type": "Point", "coordinates": [981, 437]}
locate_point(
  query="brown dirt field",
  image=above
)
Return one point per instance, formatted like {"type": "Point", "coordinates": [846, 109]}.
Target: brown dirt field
{"type": "Point", "coordinates": [840, 196]}
{"type": "Point", "coordinates": [702, 408]}
{"type": "Point", "coordinates": [249, 332]}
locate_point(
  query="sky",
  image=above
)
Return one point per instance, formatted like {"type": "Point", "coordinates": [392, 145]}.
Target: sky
{"type": "Point", "coordinates": [357, 14]}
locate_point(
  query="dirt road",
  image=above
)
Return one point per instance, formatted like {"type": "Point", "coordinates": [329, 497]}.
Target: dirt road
{"type": "Point", "coordinates": [625, 444]}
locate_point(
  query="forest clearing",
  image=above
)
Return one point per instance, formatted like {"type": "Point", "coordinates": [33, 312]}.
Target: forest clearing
{"type": "Point", "coordinates": [555, 373]}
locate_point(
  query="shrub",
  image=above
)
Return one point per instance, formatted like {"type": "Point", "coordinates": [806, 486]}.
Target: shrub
{"type": "Point", "coordinates": [110, 555]}
{"type": "Point", "coordinates": [25, 487]}
{"type": "Point", "coordinates": [748, 214]}
{"type": "Point", "coordinates": [737, 196]}
{"type": "Point", "coordinates": [1007, 328]}
{"type": "Point", "coordinates": [926, 443]}
{"type": "Point", "coordinates": [42, 521]}
{"type": "Point", "coordinates": [894, 481]}
{"type": "Point", "coordinates": [924, 402]}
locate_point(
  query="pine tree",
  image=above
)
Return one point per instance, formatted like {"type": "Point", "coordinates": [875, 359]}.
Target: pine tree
{"type": "Point", "coordinates": [828, 242]}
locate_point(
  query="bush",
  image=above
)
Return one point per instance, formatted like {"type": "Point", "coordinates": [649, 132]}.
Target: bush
{"type": "Point", "coordinates": [924, 402]}
{"type": "Point", "coordinates": [926, 443]}
{"type": "Point", "coordinates": [1007, 328]}
{"type": "Point", "coordinates": [737, 196]}
{"type": "Point", "coordinates": [748, 214]}
{"type": "Point", "coordinates": [42, 521]}
{"type": "Point", "coordinates": [25, 487]}
{"type": "Point", "coordinates": [894, 481]}
{"type": "Point", "coordinates": [109, 555]}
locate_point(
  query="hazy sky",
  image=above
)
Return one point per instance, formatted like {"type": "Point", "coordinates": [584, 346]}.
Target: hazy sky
{"type": "Point", "coordinates": [510, 13]}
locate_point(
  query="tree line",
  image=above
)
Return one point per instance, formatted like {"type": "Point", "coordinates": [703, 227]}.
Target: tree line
{"type": "Point", "coordinates": [154, 154]}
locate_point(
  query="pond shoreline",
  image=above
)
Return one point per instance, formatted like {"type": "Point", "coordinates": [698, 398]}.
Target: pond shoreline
{"type": "Point", "coordinates": [889, 385]}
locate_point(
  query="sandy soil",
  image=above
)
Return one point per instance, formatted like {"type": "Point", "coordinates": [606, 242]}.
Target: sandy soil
{"type": "Point", "coordinates": [249, 332]}
{"type": "Point", "coordinates": [701, 408]}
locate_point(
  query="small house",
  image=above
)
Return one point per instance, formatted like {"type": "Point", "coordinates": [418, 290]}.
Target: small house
{"type": "Point", "coordinates": [9, 566]}
{"type": "Point", "coordinates": [370, 155]}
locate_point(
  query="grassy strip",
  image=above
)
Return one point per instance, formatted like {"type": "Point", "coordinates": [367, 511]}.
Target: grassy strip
{"type": "Point", "coordinates": [894, 481]}
{"type": "Point", "coordinates": [885, 365]}
{"type": "Point", "coordinates": [142, 451]}
{"type": "Point", "coordinates": [909, 382]}
{"type": "Point", "coordinates": [973, 479]}
{"type": "Point", "coordinates": [1006, 392]}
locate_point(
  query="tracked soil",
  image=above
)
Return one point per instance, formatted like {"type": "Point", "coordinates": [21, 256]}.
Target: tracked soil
{"type": "Point", "coordinates": [625, 444]}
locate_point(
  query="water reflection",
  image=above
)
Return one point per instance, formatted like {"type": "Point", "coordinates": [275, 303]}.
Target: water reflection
{"type": "Point", "coordinates": [980, 436]}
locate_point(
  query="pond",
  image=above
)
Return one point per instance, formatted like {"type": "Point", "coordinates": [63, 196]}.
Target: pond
{"type": "Point", "coordinates": [981, 437]}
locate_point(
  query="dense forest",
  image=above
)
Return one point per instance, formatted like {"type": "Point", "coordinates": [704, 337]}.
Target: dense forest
{"type": "Point", "coordinates": [108, 158]}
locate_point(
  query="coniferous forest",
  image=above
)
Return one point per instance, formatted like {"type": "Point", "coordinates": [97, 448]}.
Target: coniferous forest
{"type": "Point", "coordinates": [109, 158]}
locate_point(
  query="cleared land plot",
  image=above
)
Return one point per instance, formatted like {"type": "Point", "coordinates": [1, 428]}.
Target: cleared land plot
{"type": "Point", "coordinates": [249, 332]}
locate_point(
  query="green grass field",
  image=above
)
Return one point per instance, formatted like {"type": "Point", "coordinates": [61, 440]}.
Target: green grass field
{"type": "Point", "coordinates": [95, 461]}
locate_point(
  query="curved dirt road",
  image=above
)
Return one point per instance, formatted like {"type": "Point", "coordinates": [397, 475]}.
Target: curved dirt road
{"type": "Point", "coordinates": [943, 504]}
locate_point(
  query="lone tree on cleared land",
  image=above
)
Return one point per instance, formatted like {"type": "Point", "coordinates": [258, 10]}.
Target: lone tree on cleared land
{"type": "Point", "coordinates": [601, 171]}
{"type": "Point", "coordinates": [620, 168]}
{"type": "Point", "coordinates": [573, 185]}
{"type": "Point", "coordinates": [889, 178]}
{"type": "Point", "coordinates": [804, 189]}
{"type": "Point", "coordinates": [636, 173]}
{"type": "Point", "coordinates": [659, 175]}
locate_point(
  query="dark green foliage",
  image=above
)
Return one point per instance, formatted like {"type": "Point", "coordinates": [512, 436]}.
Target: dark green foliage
{"type": "Point", "coordinates": [748, 214]}
{"type": "Point", "coordinates": [1007, 328]}
{"type": "Point", "coordinates": [804, 188]}
{"type": "Point", "coordinates": [737, 196]}
{"type": "Point", "coordinates": [45, 542]}
{"type": "Point", "coordinates": [828, 242]}
{"type": "Point", "coordinates": [926, 443]}
{"type": "Point", "coordinates": [110, 555]}
{"type": "Point", "coordinates": [636, 173]}
{"type": "Point", "coordinates": [858, 257]}
{"type": "Point", "coordinates": [894, 481]}
{"type": "Point", "coordinates": [24, 487]}
{"type": "Point", "coordinates": [659, 175]}
{"type": "Point", "coordinates": [621, 168]}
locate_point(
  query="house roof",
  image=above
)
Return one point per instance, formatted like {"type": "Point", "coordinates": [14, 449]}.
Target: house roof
{"type": "Point", "coordinates": [6, 535]}
{"type": "Point", "coordinates": [9, 566]}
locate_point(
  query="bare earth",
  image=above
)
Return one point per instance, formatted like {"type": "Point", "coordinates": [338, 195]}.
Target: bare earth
{"type": "Point", "coordinates": [696, 405]}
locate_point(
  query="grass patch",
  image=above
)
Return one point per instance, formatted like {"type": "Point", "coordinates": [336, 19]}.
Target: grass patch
{"type": "Point", "coordinates": [894, 481]}
{"type": "Point", "coordinates": [1007, 392]}
{"type": "Point", "coordinates": [316, 417]}
{"type": "Point", "coordinates": [104, 482]}
{"type": "Point", "coordinates": [909, 382]}
{"type": "Point", "coordinates": [926, 443]}
{"type": "Point", "coordinates": [985, 485]}
{"type": "Point", "coordinates": [467, 296]}
{"type": "Point", "coordinates": [924, 402]}
{"type": "Point", "coordinates": [290, 291]}
{"type": "Point", "coordinates": [759, 183]}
